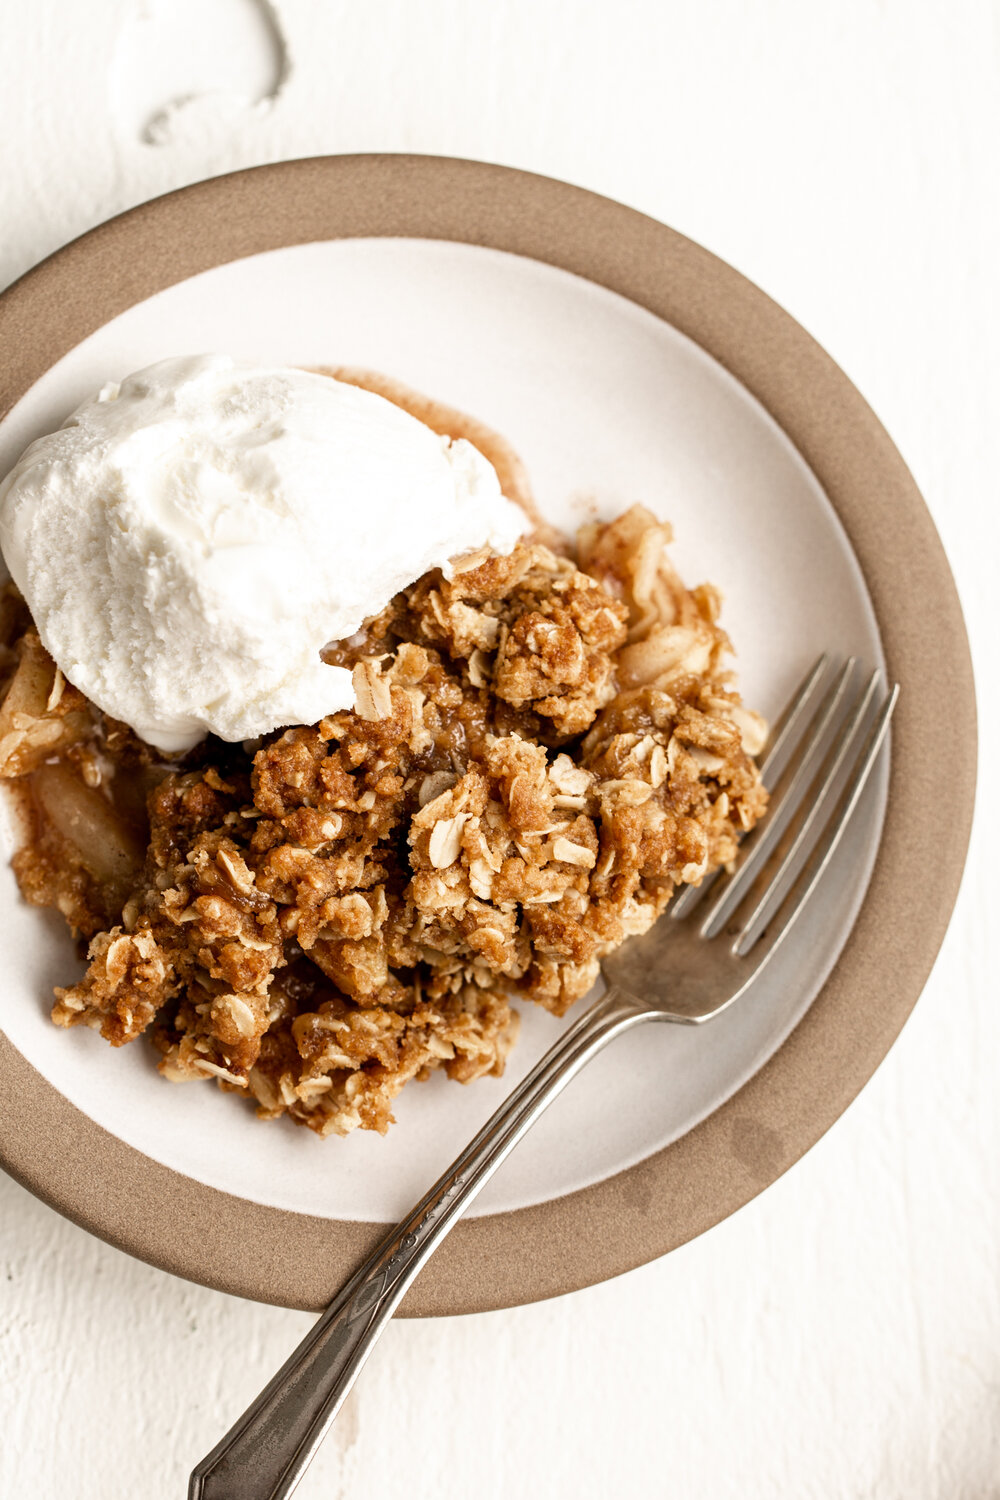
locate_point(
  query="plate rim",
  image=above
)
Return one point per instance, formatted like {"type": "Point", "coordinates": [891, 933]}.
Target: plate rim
{"type": "Point", "coordinates": [581, 1238]}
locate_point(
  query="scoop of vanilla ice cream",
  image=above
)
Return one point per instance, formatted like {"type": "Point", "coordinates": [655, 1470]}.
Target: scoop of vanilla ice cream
{"type": "Point", "coordinates": [189, 540]}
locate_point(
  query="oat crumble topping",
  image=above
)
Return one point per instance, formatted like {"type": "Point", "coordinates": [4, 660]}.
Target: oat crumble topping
{"type": "Point", "coordinates": [543, 749]}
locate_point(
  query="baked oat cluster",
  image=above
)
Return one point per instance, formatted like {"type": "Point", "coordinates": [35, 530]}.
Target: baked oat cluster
{"type": "Point", "coordinates": [544, 747]}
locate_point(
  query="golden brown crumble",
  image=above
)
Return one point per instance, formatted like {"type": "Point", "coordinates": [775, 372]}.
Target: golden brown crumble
{"type": "Point", "coordinates": [544, 748]}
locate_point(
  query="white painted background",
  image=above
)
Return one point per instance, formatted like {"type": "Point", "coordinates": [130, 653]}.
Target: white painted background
{"type": "Point", "coordinates": [838, 1339]}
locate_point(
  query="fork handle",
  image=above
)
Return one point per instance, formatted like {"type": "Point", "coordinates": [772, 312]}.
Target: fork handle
{"type": "Point", "coordinates": [266, 1452]}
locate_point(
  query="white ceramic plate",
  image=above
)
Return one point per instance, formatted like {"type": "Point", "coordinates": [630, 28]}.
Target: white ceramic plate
{"type": "Point", "coordinates": [607, 405]}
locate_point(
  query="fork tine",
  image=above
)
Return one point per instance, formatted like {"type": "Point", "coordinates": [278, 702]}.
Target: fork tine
{"type": "Point", "coordinates": [791, 726]}
{"type": "Point", "coordinates": [772, 905]}
{"type": "Point", "coordinates": [820, 792]}
{"type": "Point", "coordinates": [793, 723]}
{"type": "Point", "coordinates": [759, 843]}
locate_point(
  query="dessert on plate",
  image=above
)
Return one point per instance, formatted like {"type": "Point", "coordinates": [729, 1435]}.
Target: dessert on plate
{"type": "Point", "coordinates": [327, 750]}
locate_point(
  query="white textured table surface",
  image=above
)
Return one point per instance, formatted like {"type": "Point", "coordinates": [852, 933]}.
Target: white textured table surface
{"type": "Point", "coordinates": [840, 1336]}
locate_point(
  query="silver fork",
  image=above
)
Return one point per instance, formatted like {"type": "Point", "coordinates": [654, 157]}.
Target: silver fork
{"type": "Point", "coordinates": [826, 744]}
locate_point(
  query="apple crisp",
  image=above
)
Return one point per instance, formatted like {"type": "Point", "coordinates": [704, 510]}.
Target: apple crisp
{"type": "Point", "coordinates": [544, 747]}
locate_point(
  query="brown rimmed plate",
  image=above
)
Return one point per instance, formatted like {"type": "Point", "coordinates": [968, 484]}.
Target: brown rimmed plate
{"type": "Point", "coordinates": [627, 363]}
